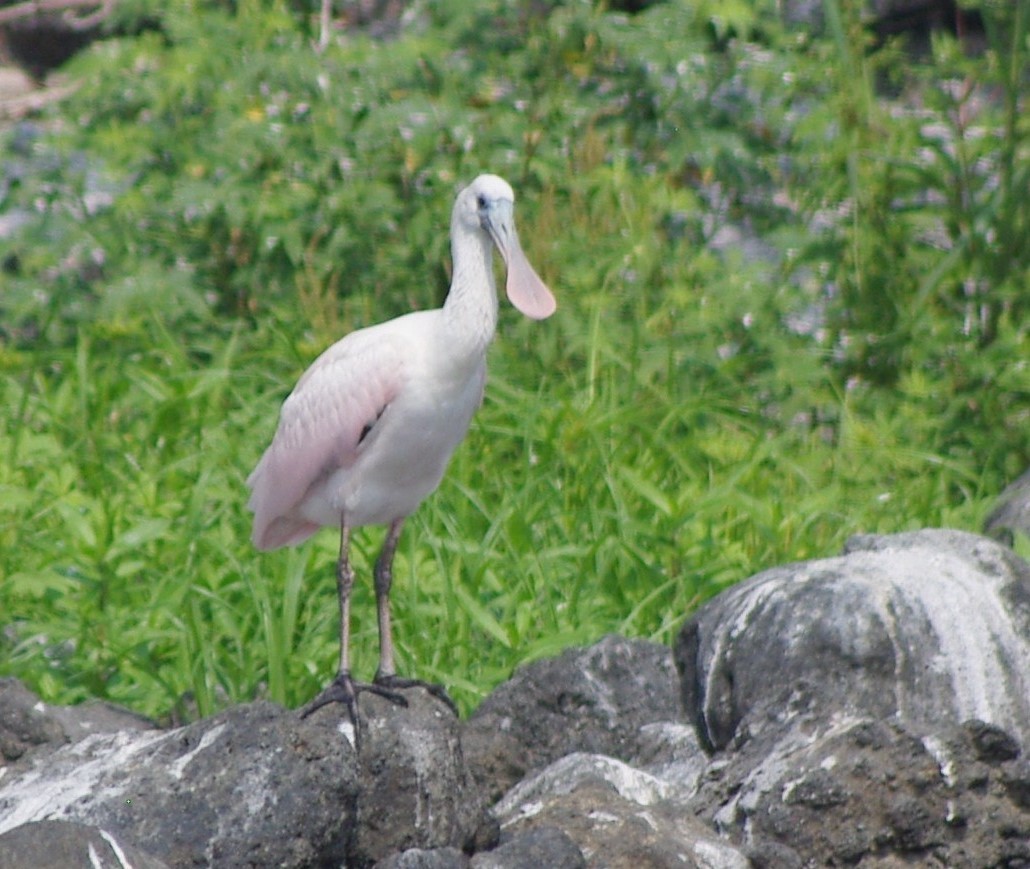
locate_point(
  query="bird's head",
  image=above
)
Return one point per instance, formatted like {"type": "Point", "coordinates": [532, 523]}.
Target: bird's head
{"type": "Point", "coordinates": [488, 205]}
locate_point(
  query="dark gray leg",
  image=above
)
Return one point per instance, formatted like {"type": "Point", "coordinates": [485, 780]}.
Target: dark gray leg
{"type": "Point", "coordinates": [386, 675]}
{"type": "Point", "coordinates": [383, 580]}
{"type": "Point", "coordinates": [343, 689]}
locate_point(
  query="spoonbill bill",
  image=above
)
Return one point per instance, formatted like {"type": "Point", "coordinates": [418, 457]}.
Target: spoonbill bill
{"type": "Point", "coordinates": [369, 428]}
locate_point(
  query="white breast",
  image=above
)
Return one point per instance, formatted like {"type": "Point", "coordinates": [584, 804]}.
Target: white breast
{"type": "Point", "coordinates": [405, 454]}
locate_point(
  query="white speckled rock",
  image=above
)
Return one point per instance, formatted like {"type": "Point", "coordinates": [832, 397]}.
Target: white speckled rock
{"type": "Point", "coordinates": [415, 789]}
{"type": "Point", "coordinates": [597, 700]}
{"type": "Point", "coordinates": [1011, 514]}
{"type": "Point", "coordinates": [253, 786]}
{"type": "Point", "coordinates": [928, 628]}
{"type": "Point", "coordinates": [619, 816]}
{"type": "Point", "coordinates": [66, 843]}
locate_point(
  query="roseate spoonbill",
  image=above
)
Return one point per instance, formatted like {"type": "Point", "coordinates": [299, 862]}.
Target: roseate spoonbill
{"type": "Point", "coordinates": [369, 428]}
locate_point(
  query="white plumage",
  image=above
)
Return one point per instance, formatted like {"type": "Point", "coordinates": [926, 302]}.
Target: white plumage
{"type": "Point", "coordinates": [369, 428]}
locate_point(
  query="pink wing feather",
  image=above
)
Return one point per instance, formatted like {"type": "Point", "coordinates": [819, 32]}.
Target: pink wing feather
{"type": "Point", "coordinates": [320, 428]}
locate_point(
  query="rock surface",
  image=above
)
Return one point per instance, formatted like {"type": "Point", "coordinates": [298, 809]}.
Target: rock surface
{"type": "Point", "coordinates": [867, 710]}
{"type": "Point", "coordinates": [594, 700]}
{"type": "Point", "coordinates": [1011, 515]}
{"type": "Point", "coordinates": [843, 700]}
{"type": "Point", "coordinates": [922, 627]}
{"type": "Point", "coordinates": [619, 816]}
{"type": "Point", "coordinates": [249, 787]}
{"type": "Point", "coordinates": [26, 722]}
{"type": "Point", "coordinates": [67, 844]}
{"type": "Point", "coordinates": [540, 846]}
{"type": "Point", "coordinates": [416, 791]}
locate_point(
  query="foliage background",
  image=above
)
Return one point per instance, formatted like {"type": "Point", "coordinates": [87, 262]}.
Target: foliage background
{"type": "Point", "coordinates": [792, 268]}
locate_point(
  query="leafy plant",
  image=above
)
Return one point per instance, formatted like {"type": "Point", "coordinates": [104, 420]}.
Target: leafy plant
{"type": "Point", "coordinates": [770, 270]}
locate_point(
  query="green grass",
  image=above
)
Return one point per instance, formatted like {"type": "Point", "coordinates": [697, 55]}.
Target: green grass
{"type": "Point", "coordinates": [596, 499]}
{"type": "Point", "coordinates": [667, 433]}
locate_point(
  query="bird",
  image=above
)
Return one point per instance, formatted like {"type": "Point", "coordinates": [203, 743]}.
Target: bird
{"type": "Point", "coordinates": [367, 432]}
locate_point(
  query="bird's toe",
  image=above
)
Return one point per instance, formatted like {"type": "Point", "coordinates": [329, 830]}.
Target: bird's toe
{"type": "Point", "coordinates": [395, 682]}
{"type": "Point", "coordinates": [344, 690]}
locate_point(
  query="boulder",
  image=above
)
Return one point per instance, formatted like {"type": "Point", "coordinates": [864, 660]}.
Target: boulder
{"type": "Point", "coordinates": [872, 707]}
{"type": "Point", "coordinates": [425, 858]}
{"type": "Point", "coordinates": [592, 700]}
{"type": "Point", "coordinates": [260, 786]}
{"type": "Point", "coordinates": [671, 752]}
{"type": "Point", "coordinates": [66, 843]}
{"type": "Point", "coordinates": [928, 628]}
{"type": "Point", "coordinates": [539, 846]}
{"type": "Point", "coordinates": [27, 722]}
{"type": "Point", "coordinates": [1011, 514]}
{"type": "Point", "coordinates": [23, 722]}
{"type": "Point", "coordinates": [415, 789]}
{"type": "Point", "coordinates": [620, 817]}
{"type": "Point", "coordinates": [873, 790]}
{"type": "Point", "coordinates": [252, 786]}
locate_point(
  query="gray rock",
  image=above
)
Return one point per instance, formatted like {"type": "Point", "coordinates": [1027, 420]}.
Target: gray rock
{"type": "Point", "coordinates": [535, 848]}
{"type": "Point", "coordinates": [929, 628]}
{"type": "Point", "coordinates": [60, 844]}
{"type": "Point", "coordinates": [253, 786]}
{"type": "Point", "coordinates": [672, 752]}
{"type": "Point", "coordinates": [27, 722]}
{"type": "Point", "coordinates": [1011, 515]}
{"type": "Point", "coordinates": [419, 858]}
{"type": "Point", "coordinates": [97, 716]}
{"type": "Point", "coordinates": [773, 855]}
{"type": "Point", "coordinates": [868, 709]}
{"type": "Point", "coordinates": [592, 700]}
{"type": "Point", "coordinates": [23, 723]}
{"type": "Point", "coordinates": [415, 789]}
{"type": "Point", "coordinates": [571, 772]}
{"type": "Point", "coordinates": [870, 789]}
{"type": "Point", "coordinates": [620, 817]}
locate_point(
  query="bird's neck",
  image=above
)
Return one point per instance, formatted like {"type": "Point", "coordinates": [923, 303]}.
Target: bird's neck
{"type": "Point", "coordinates": [470, 311]}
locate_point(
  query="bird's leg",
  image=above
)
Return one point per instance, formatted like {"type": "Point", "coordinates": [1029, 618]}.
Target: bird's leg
{"type": "Point", "coordinates": [383, 582]}
{"type": "Point", "coordinates": [386, 674]}
{"type": "Point", "coordinates": [343, 689]}
{"type": "Point", "coordinates": [344, 585]}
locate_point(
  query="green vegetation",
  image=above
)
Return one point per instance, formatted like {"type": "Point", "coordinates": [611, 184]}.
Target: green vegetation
{"type": "Point", "coordinates": [792, 273]}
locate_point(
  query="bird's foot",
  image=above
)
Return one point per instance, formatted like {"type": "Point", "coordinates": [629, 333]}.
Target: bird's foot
{"type": "Point", "coordinates": [343, 689]}
{"type": "Point", "coordinates": [394, 682]}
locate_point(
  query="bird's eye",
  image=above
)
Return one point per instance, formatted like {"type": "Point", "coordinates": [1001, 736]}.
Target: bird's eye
{"type": "Point", "coordinates": [481, 202]}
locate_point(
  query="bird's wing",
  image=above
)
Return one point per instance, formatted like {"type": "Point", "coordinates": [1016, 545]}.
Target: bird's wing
{"type": "Point", "coordinates": [321, 427]}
